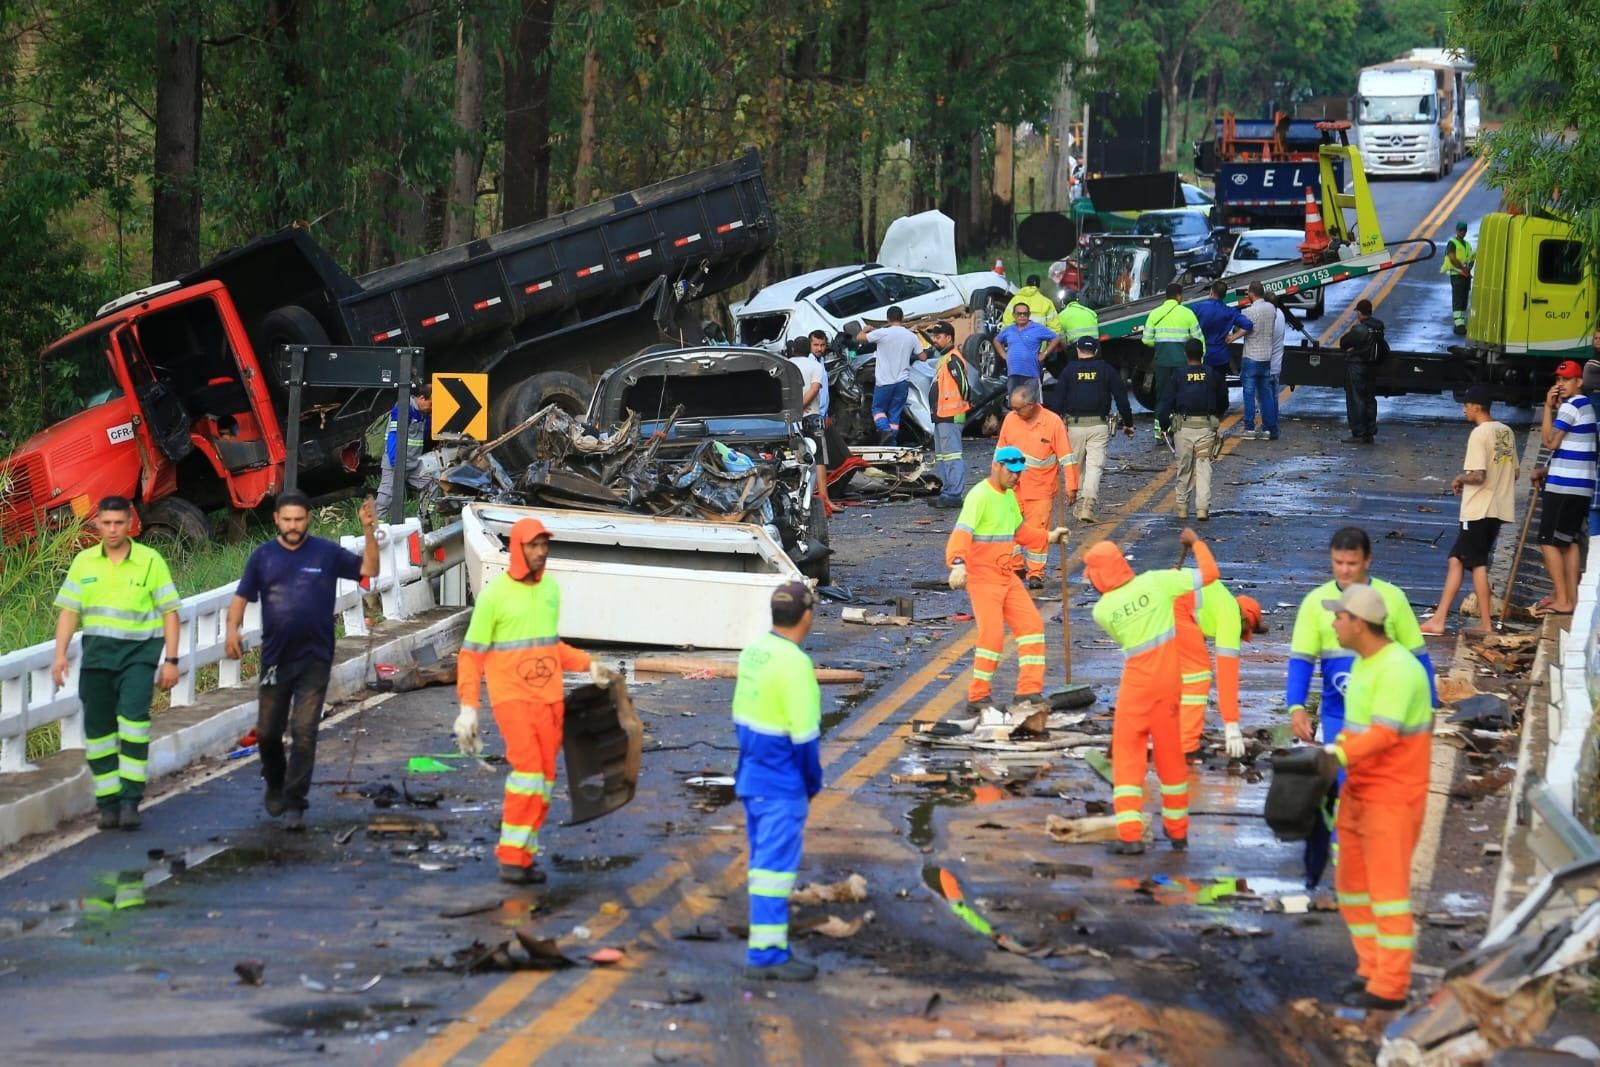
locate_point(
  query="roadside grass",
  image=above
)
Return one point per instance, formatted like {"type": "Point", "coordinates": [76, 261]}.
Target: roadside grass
{"type": "Point", "coordinates": [31, 573]}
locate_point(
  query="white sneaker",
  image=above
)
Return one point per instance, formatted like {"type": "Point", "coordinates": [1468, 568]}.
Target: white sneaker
{"type": "Point", "coordinates": [1247, 435]}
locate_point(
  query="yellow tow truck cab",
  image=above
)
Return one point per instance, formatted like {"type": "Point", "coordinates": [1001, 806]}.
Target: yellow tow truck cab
{"type": "Point", "coordinates": [1533, 299]}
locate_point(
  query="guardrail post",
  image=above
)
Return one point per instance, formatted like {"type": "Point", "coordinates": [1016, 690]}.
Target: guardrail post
{"type": "Point", "coordinates": [183, 692]}
{"type": "Point", "coordinates": [14, 708]}
{"type": "Point", "coordinates": [71, 725]}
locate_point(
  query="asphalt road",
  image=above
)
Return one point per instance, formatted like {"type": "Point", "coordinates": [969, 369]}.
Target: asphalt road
{"type": "Point", "coordinates": [1135, 960]}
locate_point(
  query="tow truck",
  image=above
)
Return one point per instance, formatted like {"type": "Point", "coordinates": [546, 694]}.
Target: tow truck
{"type": "Point", "coordinates": [1355, 249]}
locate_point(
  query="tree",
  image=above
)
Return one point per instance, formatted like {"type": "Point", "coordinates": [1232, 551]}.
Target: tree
{"type": "Point", "coordinates": [1547, 156]}
{"type": "Point", "coordinates": [175, 211]}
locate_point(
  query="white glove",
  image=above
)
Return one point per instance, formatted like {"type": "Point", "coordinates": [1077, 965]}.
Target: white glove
{"type": "Point", "coordinates": [466, 728]}
{"type": "Point", "coordinates": [1233, 740]}
{"type": "Point", "coordinates": [599, 673]}
{"type": "Point", "coordinates": [1058, 536]}
{"type": "Point", "coordinates": [958, 576]}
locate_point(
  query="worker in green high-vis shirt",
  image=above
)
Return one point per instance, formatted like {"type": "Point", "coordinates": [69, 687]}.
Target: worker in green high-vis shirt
{"type": "Point", "coordinates": [1458, 257]}
{"type": "Point", "coordinates": [123, 593]}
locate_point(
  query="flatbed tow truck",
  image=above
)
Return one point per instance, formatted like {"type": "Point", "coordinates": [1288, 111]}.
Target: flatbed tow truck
{"type": "Point", "coordinates": [1355, 249]}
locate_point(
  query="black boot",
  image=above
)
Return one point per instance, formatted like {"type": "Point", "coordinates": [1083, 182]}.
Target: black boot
{"type": "Point", "coordinates": [109, 818]}
{"type": "Point", "coordinates": [130, 819]}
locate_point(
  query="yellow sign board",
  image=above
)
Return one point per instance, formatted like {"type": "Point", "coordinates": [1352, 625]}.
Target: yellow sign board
{"type": "Point", "coordinates": [461, 404]}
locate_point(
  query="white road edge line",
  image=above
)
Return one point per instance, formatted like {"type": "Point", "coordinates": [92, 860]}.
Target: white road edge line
{"type": "Point", "coordinates": [177, 786]}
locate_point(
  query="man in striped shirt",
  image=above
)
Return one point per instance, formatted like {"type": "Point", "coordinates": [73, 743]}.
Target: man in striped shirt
{"type": "Point", "coordinates": [1569, 433]}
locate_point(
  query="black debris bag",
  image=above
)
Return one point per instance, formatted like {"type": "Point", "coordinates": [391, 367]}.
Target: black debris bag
{"type": "Point", "coordinates": [1300, 782]}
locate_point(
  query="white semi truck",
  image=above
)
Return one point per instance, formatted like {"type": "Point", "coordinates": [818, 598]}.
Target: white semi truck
{"type": "Point", "coordinates": [1399, 110]}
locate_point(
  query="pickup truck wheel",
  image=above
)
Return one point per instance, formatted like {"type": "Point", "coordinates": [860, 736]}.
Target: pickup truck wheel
{"type": "Point", "coordinates": [566, 391]}
{"type": "Point", "coordinates": [174, 526]}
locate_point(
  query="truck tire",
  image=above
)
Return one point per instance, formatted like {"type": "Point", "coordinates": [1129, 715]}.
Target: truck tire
{"type": "Point", "coordinates": [817, 526]}
{"type": "Point", "coordinates": [567, 391]}
{"type": "Point", "coordinates": [292, 325]}
{"type": "Point", "coordinates": [1318, 308]}
{"type": "Point", "coordinates": [174, 526]}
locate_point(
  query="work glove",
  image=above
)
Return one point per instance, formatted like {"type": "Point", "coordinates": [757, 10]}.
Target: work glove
{"type": "Point", "coordinates": [1058, 536]}
{"type": "Point", "coordinates": [466, 728]}
{"type": "Point", "coordinates": [1233, 740]}
{"type": "Point", "coordinates": [599, 673]}
{"type": "Point", "coordinates": [958, 576]}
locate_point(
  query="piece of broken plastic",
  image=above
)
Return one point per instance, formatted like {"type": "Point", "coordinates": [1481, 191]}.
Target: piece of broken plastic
{"type": "Point", "coordinates": [427, 765]}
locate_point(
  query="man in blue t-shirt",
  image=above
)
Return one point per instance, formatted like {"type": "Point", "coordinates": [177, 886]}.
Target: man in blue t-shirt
{"type": "Point", "coordinates": [295, 576]}
{"type": "Point", "coordinates": [1025, 345]}
{"type": "Point", "coordinates": [1222, 325]}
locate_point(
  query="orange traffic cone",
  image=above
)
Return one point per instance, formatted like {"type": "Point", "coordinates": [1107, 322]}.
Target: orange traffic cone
{"type": "Point", "coordinates": [1000, 267]}
{"type": "Point", "coordinates": [1316, 242]}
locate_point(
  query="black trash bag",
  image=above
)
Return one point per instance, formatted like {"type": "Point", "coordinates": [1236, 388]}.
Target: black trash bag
{"type": "Point", "coordinates": [1300, 782]}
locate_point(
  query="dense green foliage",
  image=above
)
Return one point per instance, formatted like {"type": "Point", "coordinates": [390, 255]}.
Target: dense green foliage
{"type": "Point", "coordinates": [1546, 56]}
{"type": "Point", "coordinates": [390, 126]}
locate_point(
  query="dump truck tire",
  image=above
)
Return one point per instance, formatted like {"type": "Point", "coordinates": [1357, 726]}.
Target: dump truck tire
{"type": "Point", "coordinates": [292, 325]}
{"type": "Point", "coordinates": [567, 391]}
{"type": "Point", "coordinates": [172, 523]}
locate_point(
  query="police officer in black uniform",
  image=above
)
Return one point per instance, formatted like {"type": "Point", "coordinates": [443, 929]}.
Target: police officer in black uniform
{"type": "Point", "coordinates": [1085, 389]}
{"type": "Point", "coordinates": [1190, 411]}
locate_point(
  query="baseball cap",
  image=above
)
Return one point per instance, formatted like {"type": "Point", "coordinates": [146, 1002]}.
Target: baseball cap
{"type": "Point", "coordinates": [943, 327]}
{"type": "Point", "coordinates": [1250, 615]}
{"type": "Point", "coordinates": [1481, 395]}
{"type": "Point", "coordinates": [1088, 344]}
{"type": "Point", "coordinates": [1569, 368]}
{"type": "Point", "coordinates": [1011, 458]}
{"type": "Point", "coordinates": [793, 597]}
{"type": "Point", "coordinates": [1461, 227]}
{"type": "Point", "coordinates": [1362, 601]}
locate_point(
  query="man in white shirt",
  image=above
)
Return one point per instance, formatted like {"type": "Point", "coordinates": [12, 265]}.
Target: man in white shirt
{"type": "Point", "coordinates": [816, 380]}
{"type": "Point", "coordinates": [1487, 486]}
{"type": "Point", "coordinates": [1280, 334]}
{"type": "Point", "coordinates": [1255, 369]}
{"type": "Point", "coordinates": [896, 348]}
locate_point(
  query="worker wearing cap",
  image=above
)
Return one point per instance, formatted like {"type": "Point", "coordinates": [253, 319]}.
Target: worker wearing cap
{"type": "Point", "coordinates": [1384, 749]}
{"type": "Point", "coordinates": [1568, 430]}
{"type": "Point", "coordinates": [417, 428]}
{"type": "Point", "coordinates": [512, 639]}
{"type": "Point", "coordinates": [981, 555]}
{"type": "Point", "coordinates": [1040, 307]}
{"type": "Point", "coordinates": [1042, 438]}
{"type": "Point", "coordinates": [123, 592]}
{"type": "Point", "coordinates": [1191, 410]}
{"type": "Point", "coordinates": [1315, 645]}
{"type": "Point", "coordinates": [1458, 257]}
{"type": "Point", "coordinates": [777, 712]}
{"type": "Point", "coordinates": [1213, 612]}
{"type": "Point", "coordinates": [1167, 329]}
{"type": "Point", "coordinates": [1138, 612]}
{"type": "Point", "coordinates": [952, 390]}
{"type": "Point", "coordinates": [1076, 320]}
{"type": "Point", "coordinates": [1085, 391]}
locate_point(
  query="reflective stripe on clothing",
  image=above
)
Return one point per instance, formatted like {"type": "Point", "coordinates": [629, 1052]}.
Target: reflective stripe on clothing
{"type": "Point", "coordinates": [125, 600]}
{"type": "Point", "coordinates": [777, 713]}
{"type": "Point", "coordinates": [512, 639]}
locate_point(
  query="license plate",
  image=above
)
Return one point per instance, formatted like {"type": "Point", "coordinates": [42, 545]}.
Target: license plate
{"type": "Point", "coordinates": [1395, 159]}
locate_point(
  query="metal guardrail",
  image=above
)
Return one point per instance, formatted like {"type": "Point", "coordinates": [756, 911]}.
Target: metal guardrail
{"type": "Point", "coordinates": [29, 698]}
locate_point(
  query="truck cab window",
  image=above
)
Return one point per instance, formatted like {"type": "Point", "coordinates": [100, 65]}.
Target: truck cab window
{"type": "Point", "coordinates": [1561, 262]}
{"type": "Point", "coordinates": [77, 376]}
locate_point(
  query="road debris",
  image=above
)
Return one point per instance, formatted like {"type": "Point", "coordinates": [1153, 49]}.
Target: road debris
{"type": "Point", "coordinates": [921, 778]}
{"type": "Point", "coordinates": [674, 998]}
{"type": "Point", "coordinates": [321, 987]}
{"type": "Point", "coordinates": [861, 617]}
{"type": "Point", "coordinates": [249, 971]}
{"type": "Point", "coordinates": [851, 889]}
{"type": "Point", "coordinates": [605, 957]}
{"type": "Point", "coordinates": [1081, 831]}
{"type": "Point", "coordinates": [838, 928]}
{"type": "Point", "coordinates": [463, 910]}
{"type": "Point", "coordinates": [396, 825]}
{"type": "Point", "coordinates": [729, 668]}
{"type": "Point", "coordinates": [697, 933]}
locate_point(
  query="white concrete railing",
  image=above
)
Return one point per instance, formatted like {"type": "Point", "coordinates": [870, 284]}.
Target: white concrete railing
{"type": "Point", "coordinates": [29, 698]}
{"type": "Point", "coordinates": [1574, 691]}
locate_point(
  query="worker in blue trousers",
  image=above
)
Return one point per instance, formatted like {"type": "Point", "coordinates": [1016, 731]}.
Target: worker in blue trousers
{"type": "Point", "coordinates": [777, 710]}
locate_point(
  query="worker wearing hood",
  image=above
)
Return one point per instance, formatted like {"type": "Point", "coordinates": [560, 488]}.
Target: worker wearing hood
{"type": "Point", "coordinates": [512, 640]}
{"type": "Point", "coordinates": [1137, 611]}
{"type": "Point", "coordinates": [1214, 612]}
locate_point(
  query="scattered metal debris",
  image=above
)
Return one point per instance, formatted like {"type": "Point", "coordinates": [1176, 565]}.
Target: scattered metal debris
{"type": "Point", "coordinates": [853, 888]}
{"type": "Point", "coordinates": [249, 971]}
{"type": "Point", "coordinates": [322, 987]}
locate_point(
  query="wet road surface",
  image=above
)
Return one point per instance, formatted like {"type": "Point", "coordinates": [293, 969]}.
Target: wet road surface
{"type": "Point", "coordinates": [1160, 958]}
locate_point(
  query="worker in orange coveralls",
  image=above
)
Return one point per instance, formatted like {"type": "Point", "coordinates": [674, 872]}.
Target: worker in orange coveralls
{"type": "Point", "coordinates": [981, 554]}
{"type": "Point", "coordinates": [1042, 437]}
{"type": "Point", "coordinates": [1138, 613]}
{"type": "Point", "coordinates": [512, 639]}
{"type": "Point", "coordinates": [1217, 614]}
{"type": "Point", "coordinates": [1385, 750]}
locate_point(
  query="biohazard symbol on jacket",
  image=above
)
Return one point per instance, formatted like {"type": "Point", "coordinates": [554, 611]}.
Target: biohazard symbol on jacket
{"type": "Point", "coordinates": [989, 532]}
{"type": "Point", "coordinates": [1137, 611]}
{"type": "Point", "coordinates": [512, 639]}
{"type": "Point", "coordinates": [1044, 442]}
{"type": "Point", "coordinates": [1386, 748]}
